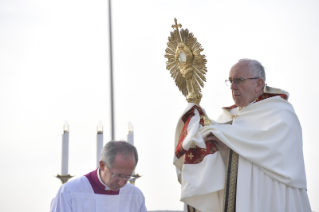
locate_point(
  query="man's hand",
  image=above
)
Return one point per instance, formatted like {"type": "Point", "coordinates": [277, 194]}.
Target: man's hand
{"type": "Point", "coordinates": [213, 138]}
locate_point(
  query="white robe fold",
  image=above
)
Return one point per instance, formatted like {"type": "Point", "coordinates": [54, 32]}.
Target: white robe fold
{"type": "Point", "coordinates": [271, 173]}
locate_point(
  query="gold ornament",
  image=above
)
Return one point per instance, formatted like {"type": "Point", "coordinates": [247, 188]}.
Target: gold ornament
{"type": "Point", "coordinates": [185, 63]}
{"type": "Point", "coordinates": [64, 178]}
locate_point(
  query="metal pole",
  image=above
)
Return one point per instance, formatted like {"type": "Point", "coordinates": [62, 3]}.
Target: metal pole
{"type": "Point", "coordinates": [111, 72]}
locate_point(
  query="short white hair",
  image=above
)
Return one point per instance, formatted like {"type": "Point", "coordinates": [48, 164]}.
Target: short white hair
{"type": "Point", "coordinates": [255, 68]}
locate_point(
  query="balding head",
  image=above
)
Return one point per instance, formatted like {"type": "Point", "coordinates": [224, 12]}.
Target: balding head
{"type": "Point", "coordinates": [247, 81]}
{"type": "Point", "coordinates": [255, 68]}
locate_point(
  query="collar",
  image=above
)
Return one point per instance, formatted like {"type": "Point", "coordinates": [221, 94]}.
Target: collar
{"type": "Point", "coordinates": [98, 175]}
{"type": "Point", "coordinates": [97, 185]}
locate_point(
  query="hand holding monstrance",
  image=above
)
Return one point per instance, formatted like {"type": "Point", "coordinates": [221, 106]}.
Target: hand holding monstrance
{"type": "Point", "coordinates": [185, 63]}
{"type": "Point", "coordinates": [187, 67]}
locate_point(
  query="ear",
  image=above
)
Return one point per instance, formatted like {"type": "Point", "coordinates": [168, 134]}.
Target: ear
{"type": "Point", "coordinates": [102, 166]}
{"type": "Point", "coordinates": [260, 85]}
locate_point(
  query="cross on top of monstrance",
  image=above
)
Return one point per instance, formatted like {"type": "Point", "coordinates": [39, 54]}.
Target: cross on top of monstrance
{"type": "Point", "coordinates": [185, 63]}
{"type": "Point", "coordinates": [176, 27]}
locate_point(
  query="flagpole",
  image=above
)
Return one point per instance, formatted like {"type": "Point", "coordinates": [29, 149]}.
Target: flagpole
{"type": "Point", "coordinates": [111, 72]}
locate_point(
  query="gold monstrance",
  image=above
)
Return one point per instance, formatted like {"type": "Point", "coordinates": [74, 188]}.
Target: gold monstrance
{"type": "Point", "coordinates": [185, 63]}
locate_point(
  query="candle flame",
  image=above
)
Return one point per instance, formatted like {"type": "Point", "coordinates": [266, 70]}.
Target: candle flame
{"type": "Point", "coordinates": [100, 128]}
{"type": "Point", "coordinates": [66, 127]}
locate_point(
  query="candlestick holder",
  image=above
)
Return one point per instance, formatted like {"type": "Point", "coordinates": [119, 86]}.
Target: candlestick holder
{"type": "Point", "coordinates": [64, 178]}
{"type": "Point", "coordinates": [135, 177]}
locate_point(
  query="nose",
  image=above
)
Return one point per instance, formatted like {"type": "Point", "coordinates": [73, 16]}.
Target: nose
{"type": "Point", "coordinates": [122, 182]}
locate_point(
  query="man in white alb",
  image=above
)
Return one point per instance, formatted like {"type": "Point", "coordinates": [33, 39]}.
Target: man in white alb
{"type": "Point", "coordinates": [104, 189]}
{"type": "Point", "coordinates": [251, 158]}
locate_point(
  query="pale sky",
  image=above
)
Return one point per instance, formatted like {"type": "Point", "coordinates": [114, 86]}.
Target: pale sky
{"type": "Point", "coordinates": [54, 66]}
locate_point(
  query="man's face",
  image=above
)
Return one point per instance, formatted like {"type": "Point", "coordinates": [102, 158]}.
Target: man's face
{"type": "Point", "coordinates": [123, 165]}
{"type": "Point", "coordinates": [248, 90]}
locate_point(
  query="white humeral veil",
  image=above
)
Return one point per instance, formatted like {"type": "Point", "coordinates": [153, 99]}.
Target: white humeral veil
{"type": "Point", "coordinates": [271, 174]}
{"type": "Point", "coordinates": [201, 184]}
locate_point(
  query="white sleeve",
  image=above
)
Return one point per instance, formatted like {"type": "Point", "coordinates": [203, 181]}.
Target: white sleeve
{"type": "Point", "coordinates": [143, 207]}
{"type": "Point", "coordinates": [62, 201]}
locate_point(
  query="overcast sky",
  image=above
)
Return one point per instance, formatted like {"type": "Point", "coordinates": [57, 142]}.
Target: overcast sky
{"type": "Point", "coordinates": [54, 66]}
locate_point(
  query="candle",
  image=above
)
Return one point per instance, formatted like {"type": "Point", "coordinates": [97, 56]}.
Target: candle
{"type": "Point", "coordinates": [130, 135]}
{"type": "Point", "coordinates": [65, 149]}
{"type": "Point", "coordinates": [99, 143]}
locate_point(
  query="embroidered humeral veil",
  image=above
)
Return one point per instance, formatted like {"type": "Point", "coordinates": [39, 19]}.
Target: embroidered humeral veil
{"type": "Point", "coordinates": [265, 160]}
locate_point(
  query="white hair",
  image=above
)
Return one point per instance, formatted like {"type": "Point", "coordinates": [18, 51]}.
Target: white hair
{"type": "Point", "coordinates": [255, 68]}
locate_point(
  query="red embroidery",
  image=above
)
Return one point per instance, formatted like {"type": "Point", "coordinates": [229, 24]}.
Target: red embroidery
{"type": "Point", "coordinates": [268, 95]}
{"type": "Point", "coordinates": [197, 154]}
{"type": "Point", "coordinates": [179, 151]}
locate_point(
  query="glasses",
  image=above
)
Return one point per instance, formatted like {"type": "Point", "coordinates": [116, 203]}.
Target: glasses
{"type": "Point", "coordinates": [117, 176]}
{"type": "Point", "coordinates": [237, 81]}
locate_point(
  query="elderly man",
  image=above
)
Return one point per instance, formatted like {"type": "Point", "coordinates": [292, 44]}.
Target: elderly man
{"type": "Point", "coordinates": [104, 189]}
{"type": "Point", "coordinates": [250, 159]}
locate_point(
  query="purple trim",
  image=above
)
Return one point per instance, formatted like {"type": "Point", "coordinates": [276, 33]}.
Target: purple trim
{"type": "Point", "coordinates": [97, 186]}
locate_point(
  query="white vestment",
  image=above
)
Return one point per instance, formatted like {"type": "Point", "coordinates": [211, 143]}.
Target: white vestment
{"type": "Point", "coordinates": [78, 196]}
{"type": "Point", "coordinates": [271, 174]}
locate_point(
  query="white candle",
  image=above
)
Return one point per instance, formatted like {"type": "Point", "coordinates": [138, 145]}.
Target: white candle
{"type": "Point", "coordinates": [99, 143]}
{"type": "Point", "coordinates": [65, 149]}
{"type": "Point", "coordinates": [130, 135]}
